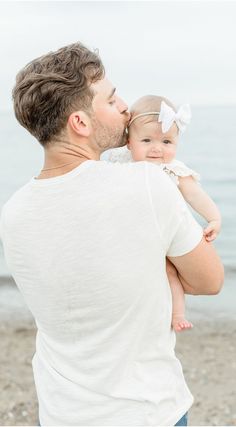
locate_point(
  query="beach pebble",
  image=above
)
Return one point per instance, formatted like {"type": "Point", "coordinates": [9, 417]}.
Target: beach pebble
{"type": "Point", "coordinates": [10, 415]}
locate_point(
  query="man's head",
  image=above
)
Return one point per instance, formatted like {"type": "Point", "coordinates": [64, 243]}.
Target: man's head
{"type": "Point", "coordinates": [146, 139]}
{"type": "Point", "coordinates": [51, 87]}
{"type": "Point", "coordinates": [62, 88]}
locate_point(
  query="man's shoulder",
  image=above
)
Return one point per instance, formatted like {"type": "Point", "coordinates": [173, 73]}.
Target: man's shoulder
{"type": "Point", "coordinates": [140, 167]}
{"type": "Point", "coordinates": [16, 201]}
{"type": "Point", "coordinates": [133, 174]}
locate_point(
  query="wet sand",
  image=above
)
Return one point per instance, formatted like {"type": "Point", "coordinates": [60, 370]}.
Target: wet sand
{"type": "Point", "coordinates": [207, 353]}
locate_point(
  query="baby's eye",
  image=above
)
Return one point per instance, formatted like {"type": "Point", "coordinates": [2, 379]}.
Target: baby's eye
{"type": "Point", "coordinates": [166, 141]}
{"type": "Point", "coordinates": [146, 140]}
{"type": "Point", "coordinates": [112, 101]}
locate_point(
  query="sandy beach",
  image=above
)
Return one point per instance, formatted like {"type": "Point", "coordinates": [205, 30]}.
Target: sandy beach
{"type": "Point", "coordinates": [207, 353]}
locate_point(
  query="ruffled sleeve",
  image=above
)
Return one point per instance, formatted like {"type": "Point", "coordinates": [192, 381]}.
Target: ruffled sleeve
{"type": "Point", "coordinates": [177, 169]}
{"type": "Point", "coordinates": [121, 155]}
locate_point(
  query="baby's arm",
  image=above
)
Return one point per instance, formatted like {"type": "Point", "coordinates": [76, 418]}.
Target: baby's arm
{"type": "Point", "coordinates": [203, 204]}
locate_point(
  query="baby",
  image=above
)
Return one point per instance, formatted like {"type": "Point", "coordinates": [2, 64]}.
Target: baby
{"type": "Point", "coordinates": [153, 135]}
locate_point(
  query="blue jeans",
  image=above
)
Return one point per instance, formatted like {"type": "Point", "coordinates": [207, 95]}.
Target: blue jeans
{"type": "Point", "coordinates": [183, 421]}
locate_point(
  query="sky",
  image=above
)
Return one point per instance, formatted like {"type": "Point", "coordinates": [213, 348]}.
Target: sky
{"type": "Point", "coordinates": [184, 50]}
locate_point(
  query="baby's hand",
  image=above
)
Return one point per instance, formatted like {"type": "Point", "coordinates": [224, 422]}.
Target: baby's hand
{"type": "Point", "coordinates": [212, 230]}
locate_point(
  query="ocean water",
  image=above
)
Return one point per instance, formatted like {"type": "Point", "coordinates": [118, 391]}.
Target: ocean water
{"type": "Point", "coordinates": [208, 146]}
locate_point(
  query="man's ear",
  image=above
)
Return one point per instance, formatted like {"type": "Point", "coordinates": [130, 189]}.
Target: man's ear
{"type": "Point", "coordinates": [79, 122]}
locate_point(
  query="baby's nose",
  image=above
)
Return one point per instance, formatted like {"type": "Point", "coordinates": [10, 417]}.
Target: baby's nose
{"type": "Point", "coordinates": [156, 147]}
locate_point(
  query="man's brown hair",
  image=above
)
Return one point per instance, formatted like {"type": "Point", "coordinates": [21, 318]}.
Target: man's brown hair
{"type": "Point", "coordinates": [51, 87]}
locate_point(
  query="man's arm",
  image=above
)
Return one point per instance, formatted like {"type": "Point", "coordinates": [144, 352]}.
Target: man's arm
{"type": "Point", "coordinates": [200, 271]}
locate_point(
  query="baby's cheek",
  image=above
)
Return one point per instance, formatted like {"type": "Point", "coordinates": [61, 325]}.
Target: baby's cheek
{"type": "Point", "coordinates": [138, 154]}
{"type": "Point", "coordinates": [170, 157]}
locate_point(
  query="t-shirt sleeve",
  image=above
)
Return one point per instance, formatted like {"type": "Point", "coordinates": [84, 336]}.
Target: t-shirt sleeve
{"type": "Point", "coordinates": [180, 233]}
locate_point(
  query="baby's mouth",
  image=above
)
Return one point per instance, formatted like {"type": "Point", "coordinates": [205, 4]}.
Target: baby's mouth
{"type": "Point", "coordinates": [154, 157]}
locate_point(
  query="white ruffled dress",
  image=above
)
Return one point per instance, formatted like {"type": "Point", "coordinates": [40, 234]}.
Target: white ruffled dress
{"type": "Point", "coordinates": [174, 169]}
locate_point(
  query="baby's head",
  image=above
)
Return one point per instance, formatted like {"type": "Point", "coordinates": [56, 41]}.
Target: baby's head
{"type": "Point", "coordinates": [153, 131]}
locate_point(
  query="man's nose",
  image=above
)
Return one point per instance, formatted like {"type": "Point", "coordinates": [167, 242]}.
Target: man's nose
{"type": "Point", "coordinates": [123, 109]}
{"type": "Point", "coordinates": [122, 106]}
{"type": "Point", "coordinates": [127, 116]}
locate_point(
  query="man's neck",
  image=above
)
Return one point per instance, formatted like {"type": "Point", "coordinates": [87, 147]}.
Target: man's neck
{"type": "Point", "coordinates": [64, 157]}
{"type": "Point", "coordinates": [59, 170]}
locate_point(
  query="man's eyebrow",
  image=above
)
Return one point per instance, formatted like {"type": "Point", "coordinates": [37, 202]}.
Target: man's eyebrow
{"type": "Point", "coordinates": [111, 93]}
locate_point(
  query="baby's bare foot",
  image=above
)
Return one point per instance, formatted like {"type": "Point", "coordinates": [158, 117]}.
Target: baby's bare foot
{"type": "Point", "coordinates": [180, 324]}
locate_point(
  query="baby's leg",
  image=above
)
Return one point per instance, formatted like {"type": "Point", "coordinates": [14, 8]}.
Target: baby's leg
{"type": "Point", "coordinates": [179, 322]}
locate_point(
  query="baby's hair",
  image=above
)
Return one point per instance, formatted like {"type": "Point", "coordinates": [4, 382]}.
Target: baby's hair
{"type": "Point", "coordinates": [149, 103]}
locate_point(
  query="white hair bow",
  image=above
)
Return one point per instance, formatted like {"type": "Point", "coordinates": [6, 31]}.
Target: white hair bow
{"type": "Point", "coordinates": [168, 116]}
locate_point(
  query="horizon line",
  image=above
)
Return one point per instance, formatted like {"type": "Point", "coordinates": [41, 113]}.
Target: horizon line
{"type": "Point", "coordinates": [10, 108]}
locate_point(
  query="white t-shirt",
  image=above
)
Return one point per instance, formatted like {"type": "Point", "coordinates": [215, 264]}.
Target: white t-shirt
{"type": "Point", "coordinates": [87, 249]}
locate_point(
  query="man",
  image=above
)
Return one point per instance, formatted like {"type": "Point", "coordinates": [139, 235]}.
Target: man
{"type": "Point", "coordinates": [86, 243]}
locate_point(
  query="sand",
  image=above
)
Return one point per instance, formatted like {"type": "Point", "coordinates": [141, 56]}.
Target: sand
{"type": "Point", "coordinates": [207, 353]}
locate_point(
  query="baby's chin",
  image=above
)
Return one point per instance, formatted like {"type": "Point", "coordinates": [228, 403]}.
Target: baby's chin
{"type": "Point", "coordinates": [156, 161]}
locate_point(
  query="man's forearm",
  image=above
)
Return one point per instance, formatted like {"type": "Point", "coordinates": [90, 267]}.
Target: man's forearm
{"type": "Point", "coordinates": [188, 289]}
{"type": "Point", "coordinates": [173, 273]}
{"type": "Point", "coordinates": [200, 271]}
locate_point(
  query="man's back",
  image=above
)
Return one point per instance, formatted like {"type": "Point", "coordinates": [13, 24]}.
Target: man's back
{"type": "Point", "coordinates": [87, 249]}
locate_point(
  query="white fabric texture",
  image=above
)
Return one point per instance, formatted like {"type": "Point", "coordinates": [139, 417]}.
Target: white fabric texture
{"type": "Point", "coordinates": [168, 116]}
{"type": "Point", "coordinates": [87, 250]}
{"type": "Point", "coordinates": [174, 169]}
{"type": "Point", "coordinates": [177, 169]}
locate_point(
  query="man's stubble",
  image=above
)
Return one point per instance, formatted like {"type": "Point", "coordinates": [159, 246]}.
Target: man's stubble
{"type": "Point", "coordinates": [107, 137]}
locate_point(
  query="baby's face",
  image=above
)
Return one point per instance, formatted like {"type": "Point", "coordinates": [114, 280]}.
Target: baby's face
{"type": "Point", "coordinates": [147, 142]}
